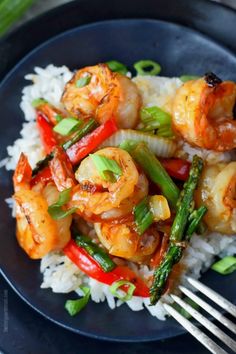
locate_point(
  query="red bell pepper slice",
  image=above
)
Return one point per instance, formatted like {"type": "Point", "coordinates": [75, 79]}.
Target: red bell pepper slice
{"type": "Point", "coordinates": [46, 133]}
{"type": "Point", "coordinates": [177, 168]}
{"type": "Point", "coordinates": [90, 267]}
{"type": "Point", "coordinates": [89, 142]}
{"type": "Point", "coordinates": [43, 176]}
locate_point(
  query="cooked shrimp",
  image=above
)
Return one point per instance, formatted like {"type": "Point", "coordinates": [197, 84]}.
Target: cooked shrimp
{"type": "Point", "coordinates": [61, 169]}
{"type": "Point", "coordinates": [217, 191]}
{"type": "Point", "coordinates": [203, 113]}
{"type": "Point", "coordinates": [93, 194]}
{"type": "Point", "coordinates": [127, 205]}
{"type": "Point", "coordinates": [122, 240]}
{"type": "Point", "coordinates": [103, 94]}
{"type": "Point", "coordinates": [37, 233]}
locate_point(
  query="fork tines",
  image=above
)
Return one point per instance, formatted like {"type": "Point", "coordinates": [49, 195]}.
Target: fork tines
{"type": "Point", "coordinates": [196, 332]}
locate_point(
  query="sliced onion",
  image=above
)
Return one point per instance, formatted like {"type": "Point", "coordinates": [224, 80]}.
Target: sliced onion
{"type": "Point", "coordinates": [162, 147]}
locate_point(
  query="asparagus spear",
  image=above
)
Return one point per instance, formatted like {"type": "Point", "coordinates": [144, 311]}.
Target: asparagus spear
{"type": "Point", "coordinates": [90, 125]}
{"type": "Point", "coordinates": [154, 169]}
{"type": "Point", "coordinates": [95, 252]}
{"type": "Point", "coordinates": [177, 234]}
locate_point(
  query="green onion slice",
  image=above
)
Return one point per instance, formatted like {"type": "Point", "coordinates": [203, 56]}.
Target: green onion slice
{"type": "Point", "coordinates": [83, 81]}
{"type": "Point", "coordinates": [55, 210]}
{"type": "Point", "coordinates": [115, 286]}
{"type": "Point", "coordinates": [38, 102]}
{"type": "Point", "coordinates": [143, 216]}
{"type": "Point", "coordinates": [226, 265]}
{"type": "Point", "coordinates": [117, 66]}
{"type": "Point", "coordinates": [147, 67]}
{"type": "Point", "coordinates": [67, 126]}
{"type": "Point", "coordinates": [107, 168]}
{"type": "Point", "coordinates": [73, 307]}
{"type": "Point", "coordinates": [185, 78]}
{"type": "Point", "coordinates": [155, 118]}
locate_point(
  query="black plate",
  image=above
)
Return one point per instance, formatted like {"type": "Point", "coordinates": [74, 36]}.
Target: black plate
{"type": "Point", "coordinates": [179, 50]}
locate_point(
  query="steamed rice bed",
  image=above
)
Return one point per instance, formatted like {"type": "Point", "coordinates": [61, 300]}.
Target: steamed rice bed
{"type": "Point", "coordinates": [58, 272]}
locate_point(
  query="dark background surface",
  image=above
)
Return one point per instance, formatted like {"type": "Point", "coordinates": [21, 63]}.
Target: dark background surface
{"type": "Point", "coordinates": [22, 330]}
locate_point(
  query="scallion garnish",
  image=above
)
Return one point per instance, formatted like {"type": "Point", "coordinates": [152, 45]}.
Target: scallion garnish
{"type": "Point", "coordinates": [226, 265]}
{"type": "Point", "coordinates": [147, 67]}
{"type": "Point", "coordinates": [120, 283]}
{"type": "Point", "coordinates": [185, 78]}
{"type": "Point", "coordinates": [117, 66]}
{"type": "Point", "coordinates": [96, 252]}
{"type": "Point", "coordinates": [38, 102]}
{"type": "Point", "coordinates": [155, 118]}
{"type": "Point", "coordinates": [55, 210]}
{"type": "Point", "coordinates": [73, 307]}
{"type": "Point", "coordinates": [83, 81]}
{"type": "Point", "coordinates": [143, 216]}
{"type": "Point", "coordinates": [67, 126]}
{"type": "Point", "coordinates": [107, 168]}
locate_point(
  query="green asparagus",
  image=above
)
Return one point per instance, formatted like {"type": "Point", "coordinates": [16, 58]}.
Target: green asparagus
{"type": "Point", "coordinates": [154, 169]}
{"type": "Point", "coordinates": [178, 232]}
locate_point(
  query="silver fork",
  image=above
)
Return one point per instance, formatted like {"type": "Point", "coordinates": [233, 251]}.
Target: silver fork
{"type": "Point", "coordinates": [195, 331]}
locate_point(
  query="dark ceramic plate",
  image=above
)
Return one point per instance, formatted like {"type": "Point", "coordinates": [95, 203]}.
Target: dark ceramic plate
{"type": "Point", "coordinates": [180, 50]}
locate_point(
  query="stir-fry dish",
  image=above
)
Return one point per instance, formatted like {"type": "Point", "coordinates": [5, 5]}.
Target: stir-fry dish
{"type": "Point", "coordinates": [126, 181]}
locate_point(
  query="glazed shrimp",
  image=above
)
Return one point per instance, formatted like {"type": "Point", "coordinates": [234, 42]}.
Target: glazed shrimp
{"type": "Point", "coordinates": [122, 240]}
{"type": "Point", "coordinates": [203, 113]}
{"type": "Point", "coordinates": [217, 190]}
{"type": "Point", "coordinates": [37, 233]}
{"type": "Point", "coordinates": [93, 194]}
{"type": "Point", "coordinates": [97, 91]}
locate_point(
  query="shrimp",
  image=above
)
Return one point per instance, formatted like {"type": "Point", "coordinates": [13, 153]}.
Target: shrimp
{"type": "Point", "coordinates": [203, 113]}
{"type": "Point", "coordinates": [122, 240]}
{"type": "Point", "coordinates": [93, 194]}
{"type": "Point", "coordinates": [61, 169]}
{"type": "Point", "coordinates": [217, 191]}
{"type": "Point", "coordinates": [37, 233]}
{"type": "Point", "coordinates": [97, 91]}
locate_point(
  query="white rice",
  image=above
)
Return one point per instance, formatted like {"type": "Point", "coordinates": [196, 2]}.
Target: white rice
{"type": "Point", "coordinates": [59, 273]}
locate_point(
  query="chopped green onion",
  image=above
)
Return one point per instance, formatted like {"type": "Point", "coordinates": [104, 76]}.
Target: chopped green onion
{"type": "Point", "coordinates": [143, 216]}
{"type": "Point", "coordinates": [115, 286]}
{"type": "Point", "coordinates": [106, 167]}
{"type": "Point", "coordinates": [55, 210]}
{"type": "Point", "coordinates": [147, 67]}
{"type": "Point", "coordinates": [225, 266]}
{"type": "Point", "coordinates": [195, 219]}
{"type": "Point", "coordinates": [73, 307]}
{"type": "Point", "coordinates": [58, 118]}
{"type": "Point", "coordinates": [185, 78]}
{"type": "Point", "coordinates": [184, 312]}
{"type": "Point", "coordinates": [155, 118]}
{"type": "Point", "coordinates": [83, 81]}
{"type": "Point", "coordinates": [67, 126]}
{"type": "Point", "coordinates": [38, 102]}
{"type": "Point", "coordinates": [96, 252]}
{"type": "Point", "coordinates": [117, 66]}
